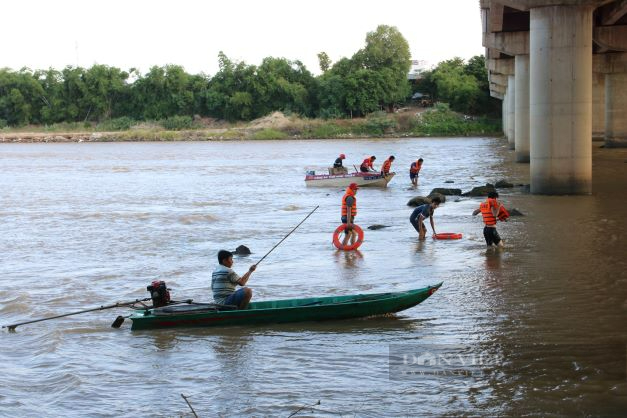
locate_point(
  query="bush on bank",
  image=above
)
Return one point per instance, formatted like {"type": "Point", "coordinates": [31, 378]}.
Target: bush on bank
{"type": "Point", "coordinates": [439, 121]}
{"type": "Point", "coordinates": [118, 124]}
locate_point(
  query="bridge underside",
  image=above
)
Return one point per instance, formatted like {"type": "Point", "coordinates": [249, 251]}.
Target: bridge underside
{"type": "Point", "coordinates": [560, 67]}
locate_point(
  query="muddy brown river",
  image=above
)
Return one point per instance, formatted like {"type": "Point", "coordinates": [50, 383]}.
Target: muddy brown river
{"type": "Point", "coordinates": [538, 329]}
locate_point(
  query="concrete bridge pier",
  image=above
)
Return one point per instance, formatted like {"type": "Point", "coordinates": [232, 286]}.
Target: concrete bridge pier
{"type": "Point", "coordinates": [561, 99]}
{"type": "Point", "coordinates": [504, 114]}
{"type": "Point", "coordinates": [616, 110]}
{"type": "Point", "coordinates": [511, 111]}
{"type": "Point", "coordinates": [598, 106]}
{"type": "Point", "coordinates": [522, 108]}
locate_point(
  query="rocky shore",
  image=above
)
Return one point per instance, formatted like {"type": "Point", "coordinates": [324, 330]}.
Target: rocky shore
{"type": "Point", "coordinates": [28, 137]}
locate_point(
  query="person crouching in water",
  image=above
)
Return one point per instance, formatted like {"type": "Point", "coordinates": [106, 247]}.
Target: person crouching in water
{"type": "Point", "coordinates": [224, 281]}
{"type": "Point", "coordinates": [387, 165]}
{"type": "Point", "coordinates": [349, 211]}
{"type": "Point", "coordinates": [491, 211]}
{"type": "Point", "coordinates": [423, 212]}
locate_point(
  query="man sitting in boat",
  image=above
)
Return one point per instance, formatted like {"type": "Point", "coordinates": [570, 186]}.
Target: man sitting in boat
{"type": "Point", "coordinates": [224, 281]}
{"type": "Point", "coordinates": [387, 165]}
{"type": "Point", "coordinates": [366, 165]}
{"type": "Point", "coordinates": [338, 166]}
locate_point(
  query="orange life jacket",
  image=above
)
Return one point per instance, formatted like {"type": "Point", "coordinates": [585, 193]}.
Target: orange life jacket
{"type": "Point", "coordinates": [367, 163]}
{"type": "Point", "coordinates": [386, 166]}
{"type": "Point", "coordinates": [415, 168]}
{"type": "Point", "coordinates": [349, 193]}
{"type": "Point", "coordinates": [486, 211]}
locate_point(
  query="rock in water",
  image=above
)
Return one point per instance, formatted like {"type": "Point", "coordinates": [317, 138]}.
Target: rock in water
{"type": "Point", "coordinates": [503, 184]}
{"type": "Point", "coordinates": [440, 195]}
{"type": "Point", "coordinates": [445, 191]}
{"type": "Point", "coordinates": [377, 226]}
{"type": "Point", "coordinates": [480, 191]}
{"type": "Point", "coordinates": [242, 250]}
{"type": "Point", "coordinates": [449, 181]}
{"type": "Point", "coordinates": [515, 212]}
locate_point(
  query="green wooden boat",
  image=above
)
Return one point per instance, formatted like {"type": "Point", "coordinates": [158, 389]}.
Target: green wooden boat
{"type": "Point", "coordinates": [277, 311]}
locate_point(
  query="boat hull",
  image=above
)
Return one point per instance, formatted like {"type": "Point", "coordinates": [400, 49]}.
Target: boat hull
{"type": "Point", "coordinates": [343, 180]}
{"type": "Point", "coordinates": [290, 310]}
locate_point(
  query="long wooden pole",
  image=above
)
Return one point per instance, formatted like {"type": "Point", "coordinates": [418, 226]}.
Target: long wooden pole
{"type": "Point", "coordinates": [190, 405]}
{"type": "Point", "coordinates": [290, 233]}
{"type": "Point", "coordinates": [116, 305]}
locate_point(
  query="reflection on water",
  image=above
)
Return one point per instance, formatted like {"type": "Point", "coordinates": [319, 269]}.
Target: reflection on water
{"type": "Point", "coordinates": [89, 224]}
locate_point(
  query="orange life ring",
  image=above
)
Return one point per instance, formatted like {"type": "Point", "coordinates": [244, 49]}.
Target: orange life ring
{"type": "Point", "coordinates": [503, 214]}
{"type": "Point", "coordinates": [358, 242]}
{"type": "Point", "coordinates": [447, 235]}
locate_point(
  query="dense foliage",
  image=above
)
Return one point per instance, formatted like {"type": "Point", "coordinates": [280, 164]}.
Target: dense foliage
{"type": "Point", "coordinates": [464, 86]}
{"type": "Point", "coordinates": [373, 79]}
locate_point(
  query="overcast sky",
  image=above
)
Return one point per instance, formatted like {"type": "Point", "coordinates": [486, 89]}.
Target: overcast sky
{"type": "Point", "coordinates": [139, 33]}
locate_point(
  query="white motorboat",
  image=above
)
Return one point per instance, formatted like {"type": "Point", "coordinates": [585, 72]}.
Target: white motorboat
{"type": "Point", "coordinates": [374, 179]}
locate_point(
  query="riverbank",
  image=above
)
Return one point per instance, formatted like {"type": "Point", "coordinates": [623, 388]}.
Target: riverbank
{"type": "Point", "coordinates": [407, 122]}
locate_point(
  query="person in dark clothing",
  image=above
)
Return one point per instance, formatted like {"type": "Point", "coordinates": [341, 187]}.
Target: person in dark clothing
{"type": "Point", "coordinates": [421, 213]}
{"type": "Point", "coordinates": [338, 161]}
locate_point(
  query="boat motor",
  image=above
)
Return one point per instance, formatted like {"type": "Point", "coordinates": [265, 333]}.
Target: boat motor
{"type": "Point", "coordinates": [159, 293]}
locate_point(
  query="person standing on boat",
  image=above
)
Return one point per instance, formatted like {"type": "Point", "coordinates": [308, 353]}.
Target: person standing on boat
{"type": "Point", "coordinates": [423, 212]}
{"type": "Point", "coordinates": [349, 211]}
{"type": "Point", "coordinates": [224, 281]}
{"type": "Point", "coordinates": [366, 165]}
{"type": "Point", "coordinates": [490, 211]}
{"type": "Point", "coordinates": [387, 165]}
{"type": "Point", "coordinates": [414, 169]}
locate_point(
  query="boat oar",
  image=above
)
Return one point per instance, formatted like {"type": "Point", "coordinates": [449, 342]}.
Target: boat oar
{"type": "Point", "coordinates": [290, 233]}
{"type": "Point", "coordinates": [116, 305]}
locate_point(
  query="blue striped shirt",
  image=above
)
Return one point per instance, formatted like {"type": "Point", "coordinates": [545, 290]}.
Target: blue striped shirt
{"type": "Point", "coordinates": [223, 283]}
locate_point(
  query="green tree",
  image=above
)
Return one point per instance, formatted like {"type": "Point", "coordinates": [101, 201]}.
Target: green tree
{"type": "Point", "coordinates": [324, 61]}
{"type": "Point", "coordinates": [387, 52]}
{"type": "Point", "coordinates": [20, 97]}
{"type": "Point", "coordinates": [463, 85]}
{"type": "Point", "coordinates": [164, 92]}
{"type": "Point", "coordinates": [104, 86]}
{"type": "Point", "coordinates": [53, 109]}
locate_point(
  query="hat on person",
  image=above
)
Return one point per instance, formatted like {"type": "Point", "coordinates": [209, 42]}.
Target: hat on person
{"type": "Point", "coordinates": [342, 156]}
{"type": "Point", "coordinates": [353, 186]}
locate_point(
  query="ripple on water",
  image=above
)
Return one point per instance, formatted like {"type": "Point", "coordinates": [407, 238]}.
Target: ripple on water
{"type": "Point", "coordinates": [197, 218]}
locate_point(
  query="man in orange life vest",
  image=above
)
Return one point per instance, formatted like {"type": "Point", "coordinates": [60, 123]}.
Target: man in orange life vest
{"type": "Point", "coordinates": [366, 165]}
{"type": "Point", "coordinates": [414, 169]}
{"type": "Point", "coordinates": [491, 210]}
{"type": "Point", "coordinates": [349, 211]}
{"type": "Point", "coordinates": [387, 164]}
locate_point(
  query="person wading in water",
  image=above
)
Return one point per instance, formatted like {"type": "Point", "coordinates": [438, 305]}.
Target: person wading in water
{"type": "Point", "coordinates": [421, 213]}
{"type": "Point", "coordinates": [349, 211]}
{"type": "Point", "coordinates": [414, 170]}
{"type": "Point", "coordinates": [491, 210]}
